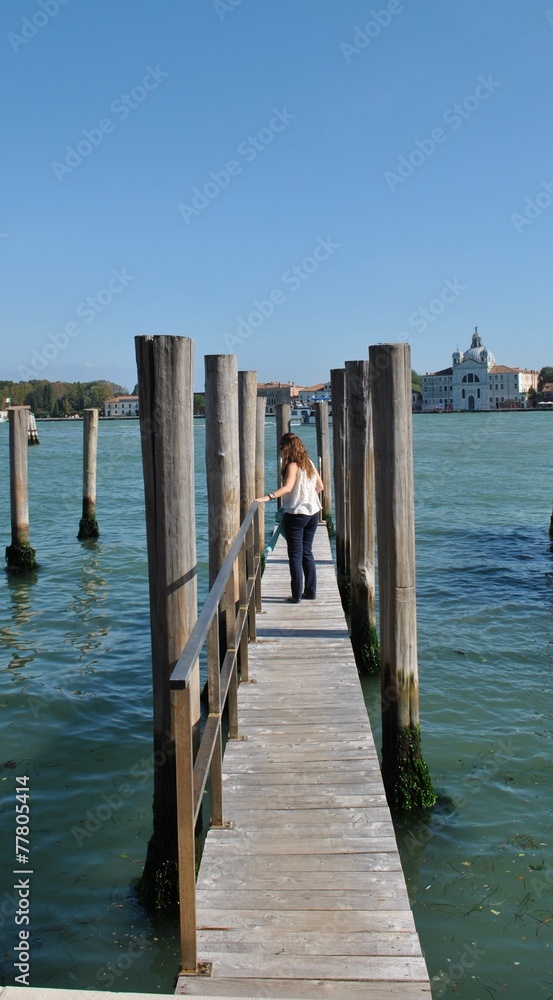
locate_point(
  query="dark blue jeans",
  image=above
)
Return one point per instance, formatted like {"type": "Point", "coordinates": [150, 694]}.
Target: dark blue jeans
{"type": "Point", "coordinates": [299, 531]}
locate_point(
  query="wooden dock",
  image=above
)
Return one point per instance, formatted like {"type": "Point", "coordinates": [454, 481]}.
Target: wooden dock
{"type": "Point", "coordinates": [303, 896]}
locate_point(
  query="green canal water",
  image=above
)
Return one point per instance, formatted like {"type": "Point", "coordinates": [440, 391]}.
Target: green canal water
{"type": "Point", "coordinates": [75, 698]}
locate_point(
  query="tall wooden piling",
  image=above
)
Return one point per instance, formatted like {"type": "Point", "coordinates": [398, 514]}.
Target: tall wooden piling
{"type": "Point", "coordinates": [20, 557]}
{"type": "Point", "coordinates": [261, 407]}
{"type": "Point", "coordinates": [341, 493]}
{"type": "Point", "coordinates": [222, 456]}
{"type": "Point", "coordinates": [282, 413]}
{"type": "Point", "coordinates": [323, 451]}
{"type": "Point", "coordinates": [360, 478]}
{"type": "Point", "coordinates": [405, 774]}
{"type": "Point", "coordinates": [88, 526]}
{"type": "Point", "coordinates": [247, 419]}
{"type": "Point", "coordinates": [165, 381]}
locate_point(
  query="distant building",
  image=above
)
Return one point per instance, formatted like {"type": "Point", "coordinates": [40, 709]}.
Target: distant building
{"type": "Point", "coordinates": [311, 393]}
{"type": "Point", "coordinates": [278, 392]}
{"type": "Point", "coordinates": [121, 406]}
{"type": "Point", "coordinates": [476, 382]}
{"type": "Point", "coordinates": [416, 401]}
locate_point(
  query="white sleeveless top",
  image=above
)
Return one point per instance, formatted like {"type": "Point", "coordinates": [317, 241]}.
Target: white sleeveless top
{"type": "Point", "coordinates": [303, 499]}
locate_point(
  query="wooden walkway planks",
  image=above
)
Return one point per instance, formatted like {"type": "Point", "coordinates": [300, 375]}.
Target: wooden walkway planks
{"type": "Point", "coordinates": [304, 897]}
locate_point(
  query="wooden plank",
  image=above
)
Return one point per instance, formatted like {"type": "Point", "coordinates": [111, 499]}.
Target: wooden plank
{"type": "Point", "coordinates": [304, 895]}
{"type": "Point", "coordinates": [315, 989]}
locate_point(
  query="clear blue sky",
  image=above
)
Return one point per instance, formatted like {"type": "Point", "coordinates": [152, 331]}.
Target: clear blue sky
{"type": "Point", "coordinates": [300, 117]}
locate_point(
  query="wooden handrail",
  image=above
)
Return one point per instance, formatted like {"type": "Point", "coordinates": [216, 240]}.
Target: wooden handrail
{"type": "Point", "coordinates": [226, 625]}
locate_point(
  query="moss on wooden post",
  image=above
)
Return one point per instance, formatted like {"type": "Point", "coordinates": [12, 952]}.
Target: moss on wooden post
{"type": "Point", "coordinates": [88, 525]}
{"type": "Point", "coordinates": [405, 775]}
{"type": "Point", "coordinates": [20, 557]}
{"type": "Point", "coordinates": [165, 378]}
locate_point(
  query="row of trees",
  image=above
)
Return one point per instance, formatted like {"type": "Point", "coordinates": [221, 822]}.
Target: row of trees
{"type": "Point", "coordinates": [59, 399]}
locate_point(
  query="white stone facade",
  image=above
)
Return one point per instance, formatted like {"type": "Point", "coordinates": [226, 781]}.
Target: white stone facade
{"type": "Point", "coordinates": [121, 406]}
{"type": "Point", "coordinates": [475, 382]}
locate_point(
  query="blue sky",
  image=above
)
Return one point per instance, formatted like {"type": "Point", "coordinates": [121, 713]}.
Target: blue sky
{"type": "Point", "coordinates": [289, 182]}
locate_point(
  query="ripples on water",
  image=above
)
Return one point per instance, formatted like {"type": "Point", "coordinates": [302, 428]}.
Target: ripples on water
{"type": "Point", "coordinates": [75, 693]}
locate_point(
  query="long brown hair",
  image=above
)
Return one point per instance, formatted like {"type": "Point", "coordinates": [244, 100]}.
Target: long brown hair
{"type": "Point", "coordinates": [293, 450]}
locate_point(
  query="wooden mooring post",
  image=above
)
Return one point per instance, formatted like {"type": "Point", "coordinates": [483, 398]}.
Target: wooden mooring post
{"type": "Point", "coordinates": [282, 414]}
{"type": "Point", "coordinates": [88, 526]}
{"type": "Point", "coordinates": [341, 493]}
{"type": "Point", "coordinates": [222, 456]}
{"type": "Point", "coordinates": [20, 557]}
{"type": "Point", "coordinates": [261, 407]}
{"type": "Point", "coordinates": [165, 380]}
{"type": "Point", "coordinates": [223, 492]}
{"type": "Point", "coordinates": [405, 774]}
{"type": "Point", "coordinates": [247, 419]}
{"type": "Point", "coordinates": [323, 451]}
{"type": "Point", "coordinates": [360, 479]}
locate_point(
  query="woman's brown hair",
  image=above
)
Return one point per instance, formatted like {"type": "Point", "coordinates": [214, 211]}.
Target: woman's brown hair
{"type": "Point", "coordinates": [293, 450]}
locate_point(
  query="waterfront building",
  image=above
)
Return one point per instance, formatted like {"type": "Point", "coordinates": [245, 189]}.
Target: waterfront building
{"type": "Point", "coordinates": [278, 392]}
{"type": "Point", "coordinates": [121, 406]}
{"type": "Point", "coordinates": [476, 382]}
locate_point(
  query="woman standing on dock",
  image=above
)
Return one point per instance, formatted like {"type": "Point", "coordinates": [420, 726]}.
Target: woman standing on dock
{"type": "Point", "coordinates": [301, 486]}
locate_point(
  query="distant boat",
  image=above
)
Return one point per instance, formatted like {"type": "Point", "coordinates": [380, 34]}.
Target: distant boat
{"type": "Point", "coordinates": [302, 415]}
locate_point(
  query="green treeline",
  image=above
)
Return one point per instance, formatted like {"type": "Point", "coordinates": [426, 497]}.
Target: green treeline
{"type": "Point", "coordinates": [59, 399]}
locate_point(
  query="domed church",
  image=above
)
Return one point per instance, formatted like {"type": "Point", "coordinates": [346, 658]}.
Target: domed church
{"type": "Point", "coordinates": [476, 382]}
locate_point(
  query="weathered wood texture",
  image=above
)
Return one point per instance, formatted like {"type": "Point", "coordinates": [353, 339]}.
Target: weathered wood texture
{"type": "Point", "coordinates": [323, 452]}
{"type": "Point", "coordinates": [261, 406]}
{"type": "Point", "coordinates": [282, 415]}
{"type": "Point", "coordinates": [360, 476]}
{"type": "Point", "coordinates": [90, 457]}
{"type": "Point", "coordinates": [165, 380]}
{"type": "Point", "coordinates": [18, 417]}
{"type": "Point", "coordinates": [304, 897]}
{"type": "Point", "coordinates": [395, 520]}
{"type": "Point", "coordinates": [222, 456]}
{"type": "Point", "coordinates": [341, 492]}
{"type": "Point", "coordinates": [247, 396]}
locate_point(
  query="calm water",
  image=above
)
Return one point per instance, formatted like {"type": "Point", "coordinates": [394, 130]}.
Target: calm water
{"type": "Point", "coordinates": [75, 695]}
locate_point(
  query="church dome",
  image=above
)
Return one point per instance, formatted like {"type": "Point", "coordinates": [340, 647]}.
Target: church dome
{"type": "Point", "coordinates": [477, 351]}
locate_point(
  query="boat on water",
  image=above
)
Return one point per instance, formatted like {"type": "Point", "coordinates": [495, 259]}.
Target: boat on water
{"type": "Point", "coordinates": [302, 415]}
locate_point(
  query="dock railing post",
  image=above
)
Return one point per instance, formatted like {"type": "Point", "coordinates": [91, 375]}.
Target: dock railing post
{"type": "Point", "coordinates": [360, 477]}
{"type": "Point", "coordinates": [406, 779]}
{"type": "Point", "coordinates": [165, 379]}
{"type": "Point", "coordinates": [323, 451]}
{"type": "Point", "coordinates": [20, 557]}
{"type": "Point", "coordinates": [184, 759]}
{"type": "Point", "coordinates": [88, 526]}
{"type": "Point", "coordinates": [341, 496]}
